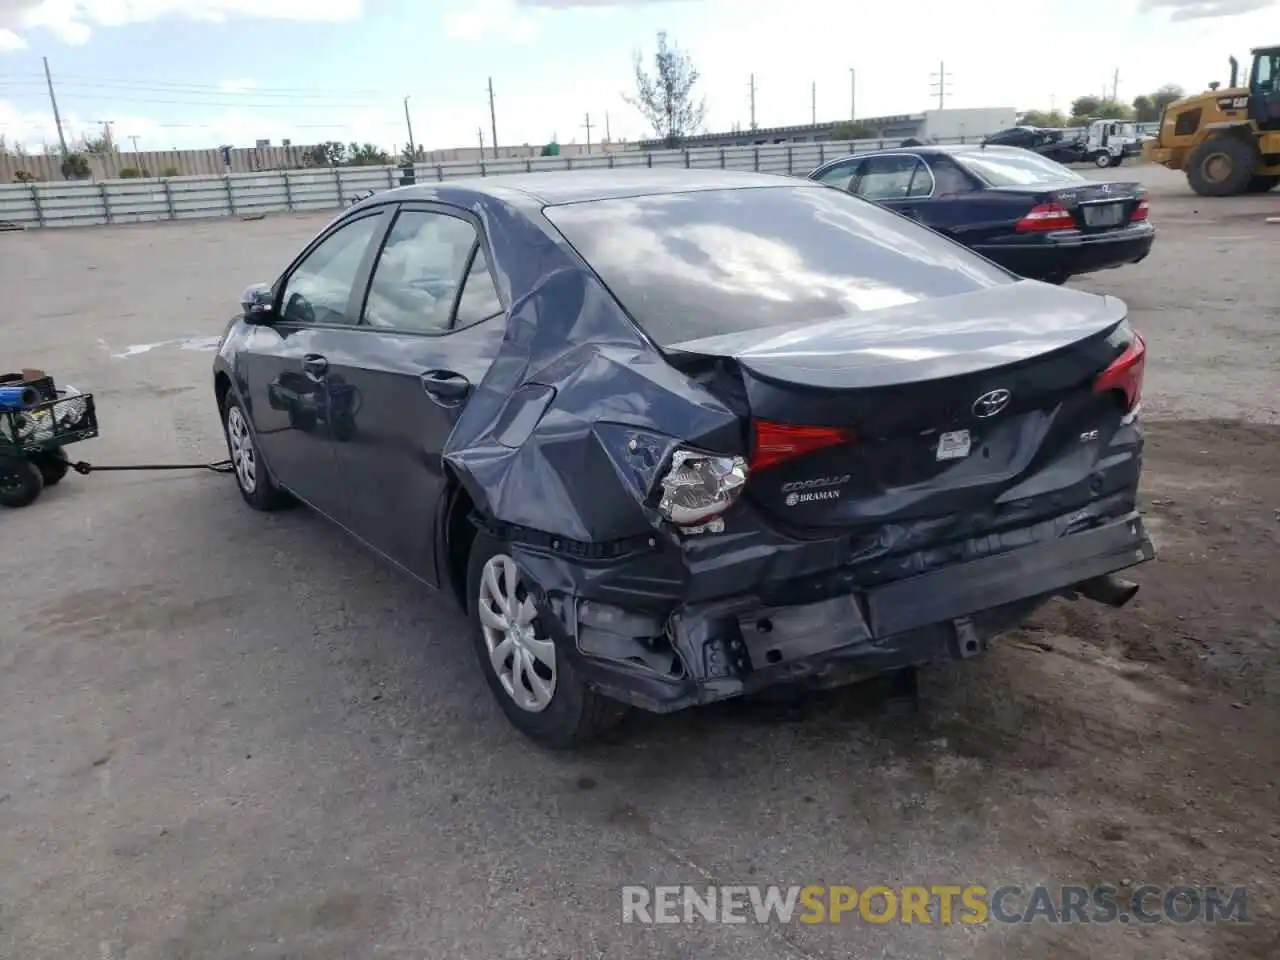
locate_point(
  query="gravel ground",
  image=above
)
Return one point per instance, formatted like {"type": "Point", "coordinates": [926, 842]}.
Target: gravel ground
{"type": "Point", "coordinates": [224, 734]}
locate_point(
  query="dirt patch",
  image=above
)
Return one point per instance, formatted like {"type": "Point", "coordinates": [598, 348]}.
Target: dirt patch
{"type": "Point", "coordinates": [1154, 732]}
{"type": "Point", "coordinates": [1209, 610]}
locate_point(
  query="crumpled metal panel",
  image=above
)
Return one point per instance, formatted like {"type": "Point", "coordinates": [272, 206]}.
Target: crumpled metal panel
{"type": "Point", "coordinates": [611, 410]}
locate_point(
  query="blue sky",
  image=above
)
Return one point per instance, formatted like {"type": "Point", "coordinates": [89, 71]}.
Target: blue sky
{"type": "Point", "coordinates": [186, 73]}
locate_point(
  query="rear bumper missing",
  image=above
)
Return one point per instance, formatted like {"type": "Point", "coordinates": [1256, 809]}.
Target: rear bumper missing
{"type": "Point", "coordinates": [727, 648]}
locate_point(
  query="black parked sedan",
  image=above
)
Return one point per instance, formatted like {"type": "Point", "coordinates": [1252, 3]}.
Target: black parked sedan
{"type": "Point", "coordinates": [1022, 210]}
{"type": "Point", "coordinates": [674, 436]}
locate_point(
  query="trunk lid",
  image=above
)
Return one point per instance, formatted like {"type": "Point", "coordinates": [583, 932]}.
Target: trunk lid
{"type": "Point", "coordinates": [1095, 206]}
{"type": "Point", "coordinates": [949, 405]}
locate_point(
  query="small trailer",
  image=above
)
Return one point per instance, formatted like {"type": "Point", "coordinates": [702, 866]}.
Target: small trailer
{"type": "Point", "coordinates": [38, 419]}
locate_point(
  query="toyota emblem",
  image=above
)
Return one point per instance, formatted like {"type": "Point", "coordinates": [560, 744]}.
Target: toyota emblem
{"type": "Point", "coordinates": [991, 403]}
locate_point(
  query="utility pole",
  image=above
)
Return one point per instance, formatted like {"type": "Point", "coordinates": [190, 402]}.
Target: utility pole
{"type": "Point", "coordinates": [493, 120]}
{"type": "Point", "coordinates": [853, 95]}
{"type": "Point", "coordinates": [1115, 85]}
{"type": "Point", "coordinates": [608, 137]}
{"type": "Point", "coordinates": [588, 126]}
{"type": "Point", "coordinates": [480, 134]}
{"type": "Point", "coordinates": [136, 160]}
{"type": "Point", "coordinates": [106, 135]}
{"type": "Point", "coordinates": [941, 83]}
{"type": "Point", "coordinates": [813, 103]}
{"type": "Point", "coordinates": [53, 102]}
{"type": "Point", "coordinates": [752, 85]}
{"type": "Point", "coordinates": [413, 147]}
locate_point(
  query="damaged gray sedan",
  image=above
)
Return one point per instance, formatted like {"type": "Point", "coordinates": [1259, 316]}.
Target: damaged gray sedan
{"type": "Point", "coordinates": [671, 437]}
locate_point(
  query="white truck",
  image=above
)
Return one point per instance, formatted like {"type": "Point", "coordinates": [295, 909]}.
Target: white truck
{"type": "Point", "coordinates": [1108, 142]}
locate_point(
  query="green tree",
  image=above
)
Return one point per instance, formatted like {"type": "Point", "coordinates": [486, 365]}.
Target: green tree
{"type": "Point", "coordinates": [331, 153]}
{"type": "Point", "coordinates": [1084, 109]}
{"type": "Point", "coordinates": [1043, 118]}
{"type": "Point", "coordinates": [552, 149]}
{"type": "Point", "coordinates": [850, 130]}
{"type": "Point", "coordinates": [665, 98]}
{"type": "Point", "coordinates": [1144, 109]}
{"type": "Point", "coordinates": [366, 155]}
{"type": "Point", "coordinates": [75, 167]}
{"type": "Point", "coordinates": [99, 145]}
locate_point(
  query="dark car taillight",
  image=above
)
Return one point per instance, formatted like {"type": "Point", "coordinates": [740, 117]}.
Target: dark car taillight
{"type": "Point", "coordinates": [1124, 375]}
{"type": "Point", "coordinates": [775, 443]}
{"type": "Point", "coordinates": [1140, 212]}
{"type": "Point", "coordinates": [1044, 217]}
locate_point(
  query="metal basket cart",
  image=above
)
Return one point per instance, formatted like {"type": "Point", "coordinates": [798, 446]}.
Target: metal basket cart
{"type": "Point", "coordinates": [34, 428]}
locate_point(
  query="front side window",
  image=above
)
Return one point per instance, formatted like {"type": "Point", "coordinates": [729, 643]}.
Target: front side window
{"type": "Point", "coordinates": [894, 178]}
{"type": "Point", "coordinates": [319, 289]}
{"type": "Point", "coordinates": [418, 272]}
{"type": "Point", "coordinates": [839, 174]}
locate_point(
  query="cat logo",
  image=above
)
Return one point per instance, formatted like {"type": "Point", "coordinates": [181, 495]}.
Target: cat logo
{"type": "Point", "coordinates": [1233, 103]}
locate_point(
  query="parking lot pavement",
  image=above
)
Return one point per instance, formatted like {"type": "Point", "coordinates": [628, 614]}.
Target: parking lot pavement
{"type": "Point", "coordinates": [226, 735]}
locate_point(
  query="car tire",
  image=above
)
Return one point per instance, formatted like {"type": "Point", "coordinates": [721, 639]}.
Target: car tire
{"type": "Point", "coordinates": [1240, 157]}
{"type": "Point", "coordinates": [20, 482]}
{"type": "Point", "coordinates": [53, 466]}
{"type": "Point", "coordinates": [1102, 161]}
{"type": "Point", "coordinates": [535, 684]}
{"type": "Point", "coordinates": [253, 479]}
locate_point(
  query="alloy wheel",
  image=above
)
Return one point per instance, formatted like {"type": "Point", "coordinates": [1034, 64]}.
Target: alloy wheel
{"type": "Point", "coordinates": [523, 661]}
{"type": "Point", "coordinates": [242, 453]}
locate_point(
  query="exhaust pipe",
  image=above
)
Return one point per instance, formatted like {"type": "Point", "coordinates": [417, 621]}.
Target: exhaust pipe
{"type": "Point", "coordinates": [1109, 589]}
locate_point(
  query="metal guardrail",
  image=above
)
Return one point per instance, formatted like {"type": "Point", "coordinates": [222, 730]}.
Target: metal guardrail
{"type": "Point", "coordinates": [80, 203]}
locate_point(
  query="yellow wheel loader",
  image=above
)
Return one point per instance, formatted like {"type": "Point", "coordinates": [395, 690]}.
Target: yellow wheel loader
{"type": "Point", "coordinates": [1227, 141]}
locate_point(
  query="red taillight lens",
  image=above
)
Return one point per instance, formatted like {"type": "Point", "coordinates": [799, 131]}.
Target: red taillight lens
{"type": "Point", "coordinates": [1140, 212]}
{"type": "Point", "coordinates": [1046, 216]}
{"type": "Point", "coordinates": [777, 443]}
{"type": "Point", "coordinates": [1125, 374]}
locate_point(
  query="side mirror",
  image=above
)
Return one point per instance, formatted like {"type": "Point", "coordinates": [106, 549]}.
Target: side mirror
{"type": "Point", "coordinates": [256, 304]}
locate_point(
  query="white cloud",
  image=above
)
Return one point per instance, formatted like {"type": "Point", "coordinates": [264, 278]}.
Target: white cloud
{"type": "Point", "coordinates": [72, 21]}
{"type": "Point", "coordinates": [482, 19]}
{"type": "Point", "coordinates": [10, 40]}
{"type": "Point", "coordinates": [1206, 9]}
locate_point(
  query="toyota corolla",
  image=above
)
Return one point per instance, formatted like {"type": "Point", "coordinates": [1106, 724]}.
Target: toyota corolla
{"type": "Point", "coordinates": [671, 437]}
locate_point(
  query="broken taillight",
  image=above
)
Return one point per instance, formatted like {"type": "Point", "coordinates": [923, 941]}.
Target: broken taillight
{"type": "Point", "coordinates": [1124, 375]}
{"type": "Point", "coordinates": [774, 443]}
{"type": "Point", "coordinates": [1046, 216]}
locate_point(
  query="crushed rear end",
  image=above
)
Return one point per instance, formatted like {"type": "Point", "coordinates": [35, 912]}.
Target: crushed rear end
{"type": "Point", "coordinates": [808, 502]}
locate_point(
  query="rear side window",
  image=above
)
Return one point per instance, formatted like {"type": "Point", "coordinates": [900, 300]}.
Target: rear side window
{"type": "Point", "coordinates": [700, 264]}
{"type": "Point", "coordinates": [1014, 169]}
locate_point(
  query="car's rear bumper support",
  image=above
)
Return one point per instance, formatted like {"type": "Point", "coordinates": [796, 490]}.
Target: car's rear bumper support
{"type": "Point", "coordinates": [714, 651]}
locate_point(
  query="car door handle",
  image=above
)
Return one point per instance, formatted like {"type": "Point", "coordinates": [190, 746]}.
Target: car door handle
{"type": "Point", "coordinates": [445, 385]}
{"type": "Point", "coordinates": [314, 365]}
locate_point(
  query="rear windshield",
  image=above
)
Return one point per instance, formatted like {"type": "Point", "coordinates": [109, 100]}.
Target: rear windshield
{"type": "Point", "coordinates": [1014, 169]}
{"type": "Point", "coordinates": [701, 264]}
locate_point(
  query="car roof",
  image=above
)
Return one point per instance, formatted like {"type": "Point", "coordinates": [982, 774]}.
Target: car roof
{"type": "Point", "coordinates": [933, 150]}
{"type": "Point", "coordinates": [577, 186]}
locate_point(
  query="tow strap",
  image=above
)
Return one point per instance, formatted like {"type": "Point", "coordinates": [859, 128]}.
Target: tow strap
{"type": "Point", "coordinates": [217, 466]}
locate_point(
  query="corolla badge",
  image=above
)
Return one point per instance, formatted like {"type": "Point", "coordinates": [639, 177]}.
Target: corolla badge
{"type": "Point", "coordinates": [991, 403]}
